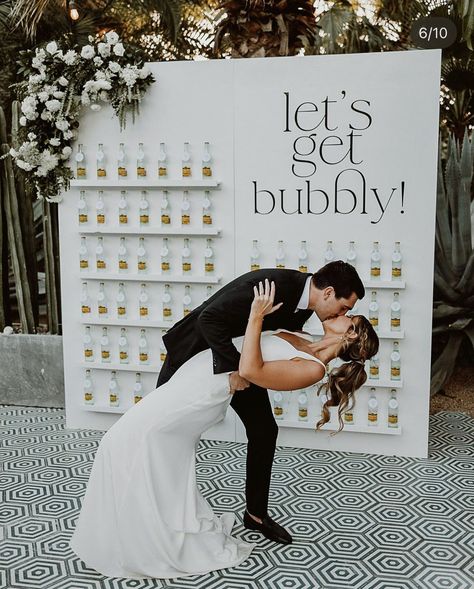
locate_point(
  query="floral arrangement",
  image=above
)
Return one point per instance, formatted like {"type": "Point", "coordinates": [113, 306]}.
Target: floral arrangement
{"type": "Point", "coordinates": [63, 79]}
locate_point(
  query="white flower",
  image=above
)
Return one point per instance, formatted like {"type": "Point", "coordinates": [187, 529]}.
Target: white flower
{"type": "Point", "coordinates": [111, 37]}
{"type": "Point", "coordinates": [67, 151]}
{"type": "Point", "coordinates": [62, 124]}
{"type": "Point", "coordinates": [119, 49]}
{"type": "Point", "coordinates": [55, 142]}
{"type": "Point", "coordinates": [63, 81]}
{"type": "Point", "coordinates": [40, 53]}
{"type": "Point", "coordinates": [114, 67]}
{"type": "Point", "coordinates": [35, 79]}
{"type": "Point", "coordinates": [46, 115]}
{"type": "Point", "coordinates": [28, 105]}
{"type": "Point", "coordinates": [68, 134]}
{"type": "Point", "coordinates": [91, 38]}
{"type": "Point", "coordinates": [37, 63]}
{"type": "Point", "coordinates": [98, 61]}
{"type": "Point", "coordinates": [13, 152]}
{"type": "Point", "coordinates": [103, 49]}
{"type": "Point", "coordinates": [87, 52]}
{"type": "Point", "coordinates": [52, 47]}
{"type": "Point", "coordinates": [53, 105]}
{"type": "Point", "coordinates": [144, 72]}
{"type": "Point", "coordinates": [8, 330]}
{"type": "Point", "coordinates": [23, 121]}
{"type": "Point", "coordinates": [32, 115]}
{"type": "Point", "coordinates": [95, 107]}
{"type": "Point", "coordinates": [85, 100]}
{"type": "Point", "coordinates": [103, 96]}
{"type": "Point", "coordinates": [58, 94]}
{"type": "Point", "coordinates": [24, 165]}
{"type": "Point", "coordinates": [31, 136]}
{"type": "Point", "coordinates": [129, 75]}
{"type": "Point", "coordinates": [70, 57]}
{"type": "Point", "coordinates": [43, 96]}
{"type": "Point", "coordinates": [47, 162]}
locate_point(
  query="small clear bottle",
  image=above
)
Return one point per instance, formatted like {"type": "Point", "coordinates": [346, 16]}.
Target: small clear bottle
{"type": "Point", "coordinates": [121, 302]}
{"type": "Point", "coordinates": [137, 388]}
{"type": "Point", "coordinates": [208, 257]}
{"type": "Point", "coordinates": [104, 346]}
{"type": "Point", "coordinates": [393, 409]}
{"type": "Point", "coordinates": [303, 406]}
{"type": "Point", "coordinates": [88, 345]}
{"type": "Point", "coordinates": [122, 162]}
{"type": "Point", "coordinates": [114, 391]}
{"type": "Point", "coordinates": [395, 363]}
{"type": "Point", "coordinates": [255, 256]}
{"type": "Point", "coordinates": [162, 159]}
{"type": "Point", "coordinates": [329, 254]}
{"type": "Point", "coordinates": [144, 209]}
{"type": "Point", "coordinates": [167, 304]}
{"type": "Point", "coordinates": [101, 162]}
{"type": "Point", "coordinates": [187, 300]}
{"type": "Point", "coordinates": [185, 209]}
{"type": "Point", "coordinates": [141, 166]}
{"type": "Point", "coordinates": [351, 257]}
{"type": "Point", "coordinates": [206, 161]}
{"type": "Point", "coordinates": [81, 170]}
{"type": "Point", "coordinates": [186, 161]}
{"type": "Point", "coordinates": [395, 313]}
{"type": "Point", "coordinates": [122, 256]}
{"type": "Point", "coordinates": [372, 408]}
{"type": "Point", "coordinates": [165, 256]}
{"type": "Point", "coordinates": [142, 257]}
{"type": "Point", "coordinates": [303, 257]}
{"type": "Point", "coordinates": [88, 389]}
{"type": "Point", "coordinates": [102, 303]}
{"type": "Point", "coordinates": [83, 255]}
{"type": "Point", "coordinates": [100, 255]}
{"type": "Point", "coordinates": [123, 346]}
{"type": "Point", "coordinates": [123, 208]}
{"type": "Point", "coordinates": [280, 255]}
{"type": "Point", "coordinates": [100, 208]}
{"type": "Point", "coordinates": [278, 405]}
{"type": "Point", "coordinates": [207, 209]}
{"type": "Point", "coordinates": [143, 308]}
{"type": "Point", "coordinates": [165, 209]}
{"type": "Point", "coordinates": [186, 257]}
{"type": "Point", "coordinates": [143, 356]}
{"type": "Point", "coordinates": [208, 292]}
{"type": "Point", "coordinates": [85, 300]}
{"type": "Point", "coordinates": [349, 415]}
{"type": "Point", "coordinates": [397, 262]}
{"type": "Point", "coordinates": [162, 346]}
{"type": "Point", "coordinates": [374, 310]}
{"type": "Point", "coordinates": [375, 261]}
{"type": "Point", "coordinates": [374, 366]}
{"type": "Point", "coordinates": [82, 211]}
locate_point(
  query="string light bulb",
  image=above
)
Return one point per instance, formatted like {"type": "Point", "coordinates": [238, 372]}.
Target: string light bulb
{"type": "Point", "coordinates": [73, 11]}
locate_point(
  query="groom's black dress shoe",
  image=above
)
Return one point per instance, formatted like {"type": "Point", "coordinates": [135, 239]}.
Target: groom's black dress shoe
{"type": "Point", "coordinates": [269, 528]}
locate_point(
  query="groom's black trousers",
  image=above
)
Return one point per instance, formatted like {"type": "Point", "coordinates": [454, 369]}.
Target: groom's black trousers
{"type": "Point", "coordinates": [253, 407]}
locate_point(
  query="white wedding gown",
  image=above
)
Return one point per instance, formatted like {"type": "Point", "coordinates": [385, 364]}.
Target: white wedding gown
{"type": "Point", "coordinates": [143, 514]}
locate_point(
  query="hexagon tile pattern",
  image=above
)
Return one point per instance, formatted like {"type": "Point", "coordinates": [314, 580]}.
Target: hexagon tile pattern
{"type": "Point", "coordinates": [359, 521]}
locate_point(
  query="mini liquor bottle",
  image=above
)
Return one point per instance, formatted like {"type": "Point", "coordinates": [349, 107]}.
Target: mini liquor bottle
{"type": "Point", "coordinates": [206, 209]}
{"type": "Point", "coordinates": [143, 357]}
{"type": "Point", "coordinates": [100, 159]}
{"type": "Point", "coordinates": [187, 300]}
{"type": "Point", "coordinates": [208, 292]}
{"type": "Point", "coordinates": [114, 393]}
{"type": "Point", "coordinates": [141, 168]}
{"type": "Point", "coordinates": [372, 408]}
{"type": "Point", "coordinates": [185, 209]}
{"type": "Point", "coordinates": [393, 409]}
{"type": "Point", "coordinates": [142, 257]}
{"type": "Point", "coordinates": [349, 416]}
{"type": "Point", "coordinates": [280, 255]}
{"type": "Point", "coordinates": [395, 313]}
{"type": "Point", "coordinates": [123, 346]}
{"type": "Point", "coordinates": [81, 172]}
{"type": "Point", "coordinates": [143, 309]}
{"type": "Point", "coordinates": [100, 254]}
{"type": "Point", "coordinates": [208, 257]}
{"type": "Point", "coordinates": [162, 166]}
{"type": "Point", "coordinates": [100, 208]}
{"type": "Point", "coordinates": [165, 256]}
{"type": "Point", "coordinates": [123, 208]}
{"type": "Point", "coordinates": [351, 257]}
{"type": "Point", "coordinates": [138, 388]}
{"type": "Point", "coordinates": [186, 256]}
{"type": "Point", "coordinates": [167, 304]}
{"type": "Point", "coordinates": [121, 302]}
{"type": "Point", "coordinates": [162, 346]}
{"type": "Point", "coordinates": [395, 364]}
{"type": "Point", "coordinates": [104, 346]}
{"type": "Point", "coordinates": [122, 256]}
{"type": "Point", "coordinates": [323, 399]}
{"type": "Point", "coordinates": [303, 406]}
{"type": "Point", "coordinates": [186, 161]}
{"type": "Point", "coordinates": [374, 363]}
{"type": "Point", "coordinates": [278, 405]}
{"type": "Point", "coordinates": [206, 161]}
{"type": "Point", "coordinates": [374, 310]}
{"type": "Point", "coordinates": [102, 303]}
{"type": "Point", "coordinates": [122, 162]}
{"type": "Point", "coordinates": [375, 259]}
{"type": "Point", "coordinates": [303, 257]}
{"type": "Point", "coordinates": [144, 209]}
{"type": "Point", "coordinates": [88, 345]}
{"type": "Point", "coordinates": [88, 389]}
{"type": "Point", "coordinates": [165, 209]}
{"type": "Point", "coordinates": [255, 256]}
{"type": "Point", "coordinates": [83, 255]}
{"type": "Point", "coordinates": [329, 253]}
{"type": "Point", "coordinates": [396, 262]}
{"type": "Point", "coordinates": [85, 300]}
{"type": "Point", "coordinates": [82, 211]}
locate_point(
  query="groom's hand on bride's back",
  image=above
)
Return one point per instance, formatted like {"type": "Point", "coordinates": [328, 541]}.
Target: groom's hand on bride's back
{"type": "Point", "coordinates": [237, 383]}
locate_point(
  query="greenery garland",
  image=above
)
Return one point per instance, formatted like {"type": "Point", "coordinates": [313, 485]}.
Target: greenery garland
{"type": "Point", "coordinates": [61, 80]}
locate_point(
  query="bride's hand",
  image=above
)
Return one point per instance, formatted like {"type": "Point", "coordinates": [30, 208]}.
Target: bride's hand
{"type": "Point", "coordinates": [263, 300]}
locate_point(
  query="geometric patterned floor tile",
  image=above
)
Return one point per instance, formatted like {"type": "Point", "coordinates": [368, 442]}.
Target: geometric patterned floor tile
{"type": "Point", "coordinates": [359, 521]}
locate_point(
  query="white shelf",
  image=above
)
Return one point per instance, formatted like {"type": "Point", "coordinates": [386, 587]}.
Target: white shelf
{"type": "Point", "coordinates": [150, 278]}
{"type": "Point", "coordinates": [105, 409]}
{"type": "Point", "coordinates": [129, 322]}
{"type": "Point", "coordinates": [383, 334]}
{"type": "Point", "coordinates": [394, 284]}
{"type": "Point", "coordinates": [149, 231]}
{"type": "Point", "coordinates": [124, 367]}
{"type": "Point", "coordinates": [347, 428]}
{"type": "Point", "coordinates": [148, 183]}
{"type": "Point", "coordinates": [384, 384]}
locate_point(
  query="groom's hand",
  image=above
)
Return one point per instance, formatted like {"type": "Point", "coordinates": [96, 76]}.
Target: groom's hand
{"type": "Point", "coordinates": [237, 383]}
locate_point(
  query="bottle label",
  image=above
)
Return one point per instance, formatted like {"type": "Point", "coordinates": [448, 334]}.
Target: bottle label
{"type": "Point", "coordinates": [374, 321]}
{"type": "Point", "coordinates": [207, 219]}
{"type": "Point", "coordinates": [101, 173]}
{"type": "Point", "coordinates": [141, 171]}
{"type": "Point", "coordinates": [166, 312]}
{"type": "Point", "coordinates": [101, 264]}
{"type": "Point", "coordinates": [83, 217]}
{"type": "Point", "coordinates": [186, 266]}
{"type": "Point", "coordinates": [185, 219]}
{"type": "Point", "coordinates": [123, 218]}
{"type": "Point", "coordinates": [396, 272]}
{"type": "Point", "coordinates": [144, 218]}
{"type": "Point", "coordinates": [186, 312]}
{"type": "Point", "coordinates": [280, 265]}
{"type": "Point", "coordinates": [123, 264]}
{"type": "Point", "coordinates": [85, 309]}
{"type": "Point", "coordinates": [102, 310]}
{"type": "Point", "coordinates": [209, 267]}
{"type": "Point", "coordinates": [395, 372]}
{"type": "Point", "coordinates": [142, 265]}
{"type": "Point", "coordinates": [137, 398]}
{"type": "Point", "coordinates": [143, 356]}
{"type": "Point", "coordinates": [393, 419]}
{"type": "Point", "coordinates": [84, 263]}
{"type": "Point", "coordinates": [186, 171]}
{"type": "Point", "coordinates": [105, 354]}
{"type": "Point", "coordinates": [165, 219]}
{"type": "Point", "coordinates": [302, 412]}
{"type": "Point", "coordinates": [88, 353]}
{"type": "Point", "coordinates": [121, 310]}
{"type": "Point", "coordinates": [113, 398]}
{"type": "Point", "coordinates": [278, 410]}
{"type": "Point", "coordinates": [375, 271]}
{"type": "Point", "coordinates": [374, 371]}
{"type": "Point", "coordinates": [123, 355]}
{"type": "Point", "coordinates": [81, 172]}
{"type": "Point", "coordinates": [372, 417]}
{"type": "Point", "coordinates": [162, 356]}
{"type": "Point", "coordinates": [101, 218]}
{"type": "Point", "coordinates": [143, 311]}
{"type": "Point", "coordinates": [122, 171]}
{"type": "Point", "coordinates": [206, 171]}
{"type": "Point", "coordinates": [303, 268]}
{"type": "Point", "coordinates": [88, 396]}
{"type": "Point", "coordinates": [162, 171]}
{"type": "Point", "coordinates": [395, 322]}
{"type": "Point", "coordinates": [165, 266]}
{"type": "Point", "coordinates": [348, 417]}
{"type": "Point", "coordinates": [254, 266]}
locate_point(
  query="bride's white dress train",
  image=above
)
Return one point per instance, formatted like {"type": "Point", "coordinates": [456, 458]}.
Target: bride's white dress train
{"type": "Point", "coordinates": [143, 514]}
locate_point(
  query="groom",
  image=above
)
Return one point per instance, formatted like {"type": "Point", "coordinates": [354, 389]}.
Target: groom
{"type": "Point", "coordinates": [331, 291]}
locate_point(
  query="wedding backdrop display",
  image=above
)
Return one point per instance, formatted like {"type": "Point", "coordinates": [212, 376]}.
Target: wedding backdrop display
{"type": "Point", "coordinates": [312, 159]}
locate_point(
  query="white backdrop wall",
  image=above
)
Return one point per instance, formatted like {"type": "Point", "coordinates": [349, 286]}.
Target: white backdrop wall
{"type": "Point", "coordinates": [368, 126]}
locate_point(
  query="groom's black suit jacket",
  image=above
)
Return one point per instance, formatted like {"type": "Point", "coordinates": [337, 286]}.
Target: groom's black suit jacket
{"type": "Point", "coordinates": [224, 316]}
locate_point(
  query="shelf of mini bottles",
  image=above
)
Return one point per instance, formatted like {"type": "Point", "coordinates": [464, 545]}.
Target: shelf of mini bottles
{"type": "Point", "coordinates": [151, 278]}
{"type": "Point", "coordinates": [121, 367]}
{"type": "Point", "coordinates": [128, 322]}
{"type": "Point", "coordinates": [158, 231]}
{"type": "Point", "coordinates": [178, 184]}
{"type": "Point", "coordinates": [393, 284]}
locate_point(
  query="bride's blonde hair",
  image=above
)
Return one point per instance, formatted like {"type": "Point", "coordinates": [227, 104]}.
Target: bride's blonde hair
{"type": "Point", "coordinates": [344, 380]}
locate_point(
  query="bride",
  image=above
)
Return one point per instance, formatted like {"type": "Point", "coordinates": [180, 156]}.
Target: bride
{"type": "Point", "coordinates": [143, 515]}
